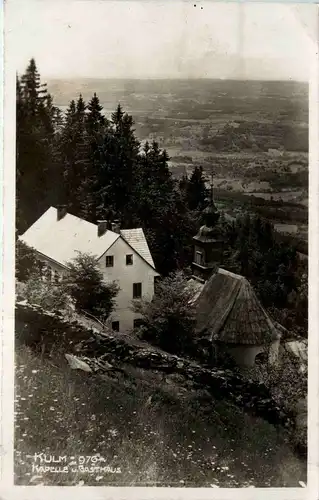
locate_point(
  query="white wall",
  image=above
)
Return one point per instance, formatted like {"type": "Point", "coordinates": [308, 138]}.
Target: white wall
{"type": "Point", "coordinates": [125, 276]}
{"type": "Point", "coordinates": [245, 355]}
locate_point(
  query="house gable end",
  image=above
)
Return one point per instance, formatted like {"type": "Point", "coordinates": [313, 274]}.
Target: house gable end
{"type": "Point", "coordinates": [135, 252]}
{"type": "Point", "coordinates": [130, 250]}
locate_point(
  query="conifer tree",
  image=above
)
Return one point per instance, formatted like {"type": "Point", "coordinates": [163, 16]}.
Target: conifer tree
{"type": "Point", "coordinates": [67, 147]}
{"type": "Point", "coordinates": [117, 117]}
{"type": "Point", "coordinates": [183, 184]}
{"type": "Point", "coordinates": [159, 207]}
{"type": "Point", "coordinates": [96, 129]}
{"type": "Point", "coordinates": [35, 147]}
{"type": "Point", "coordinates": [196, 190]}
{"type": "Point", "coordinates": [95, 121]}
{"type": "Point", "coordinates": [74, 155]}
{"type": "Point", "coordinates": [153, 185]}
{"type": "Point", "coordinates": [33, 92]}
{"type": "Point", "coordinates": [118, 159]}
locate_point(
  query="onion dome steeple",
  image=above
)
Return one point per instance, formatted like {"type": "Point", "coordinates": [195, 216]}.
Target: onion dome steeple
{"type": "Point", "coordinates": [210, 214]}
{"type": "Point", "coordinates": [208, 242]}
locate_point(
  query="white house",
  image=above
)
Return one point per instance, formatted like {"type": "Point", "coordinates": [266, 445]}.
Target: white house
{"type": "Point", "coordinates": [123, 256]}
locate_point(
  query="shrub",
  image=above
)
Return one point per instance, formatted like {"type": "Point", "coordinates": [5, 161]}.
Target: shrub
{"type": "Point", "coordinates": [26, 261]}
{"type": "Point", "coordinates": [286, 380]}
{"type": "Point", "coordinates": [169, 319]}
{"type": "Point", "coordinates": [44, 293]}
{"type": "Point", "coordinates": [84, 283]}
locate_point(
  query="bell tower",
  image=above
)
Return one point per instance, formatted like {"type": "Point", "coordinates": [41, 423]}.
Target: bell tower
{"type": "Point", "coordinates": [208, 242]}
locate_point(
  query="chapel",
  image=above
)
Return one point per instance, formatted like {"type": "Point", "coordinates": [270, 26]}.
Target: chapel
{"type": "Point", "coordinates": [229, 315]}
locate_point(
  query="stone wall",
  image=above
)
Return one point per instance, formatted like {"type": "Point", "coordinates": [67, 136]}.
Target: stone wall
{"type": "Point", "coordinates": [47, 332]}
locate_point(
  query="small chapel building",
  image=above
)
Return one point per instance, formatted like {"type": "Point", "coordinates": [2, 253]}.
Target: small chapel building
{"type": "Point", "coordinates": [229, 316]}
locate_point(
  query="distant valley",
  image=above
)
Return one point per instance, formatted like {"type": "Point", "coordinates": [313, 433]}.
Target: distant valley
{"type": "Point", "coordinates": [252, 135]}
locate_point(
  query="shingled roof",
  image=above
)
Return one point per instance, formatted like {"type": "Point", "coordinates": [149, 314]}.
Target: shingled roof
{"type": "Point", "coordinates": [228, 311]}
{"type": "Point", "coordinates": [61, 240]}
{"type": "Point", "coordinates": [136, 239]}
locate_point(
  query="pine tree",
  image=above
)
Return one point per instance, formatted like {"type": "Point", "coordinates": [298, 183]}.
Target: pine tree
{"type": "Point", "coordinates": [160, 209]}
{"type": "Point", "coordinates": [20, 128]}
{"type": "Point", "coordinates": [183, 185]}
{"type": "Point", "coordinates": [153, 185]}
{"type": "Point", "coordinates": [196, 190]}
{"type": "Point", "coordinates": [35, 147]}
{"type": "Point", "coordinates": [118, 159]}
{"type": "Point", "coordinates": [81, 139]}
{"type": "Point", "coordinates": [55, 115]}
{"type": "Point", "coordinates": [74, 156]}
{"type": "Point", "coordinates": [33, 92]}
{"type": "Point", "coordinates": [80, 112]}
{"type": "Point", "coordinates": [117, 117]}
{"type": "Point", "coordinates": [95, 121]}
{"type": "Point", "coordinates": [97, 127]}
{"type": "Point", "coordinates": [270, 266]}
{"type": "Point", "coordinates": [67, 148]}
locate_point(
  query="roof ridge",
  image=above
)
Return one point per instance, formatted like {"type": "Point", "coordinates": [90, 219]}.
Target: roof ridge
{"type": "Point", "coordinates": [270, 321]}
{"type": "Point", "coordinates": [228, 311]}
{"type": "Point", "coordinates": [76, 235]}
{"type": "Point", "coordinates": [74, 216]}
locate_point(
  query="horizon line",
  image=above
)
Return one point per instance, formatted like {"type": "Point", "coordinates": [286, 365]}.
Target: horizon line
{"type": "Point", "coordinates": [145, 78]}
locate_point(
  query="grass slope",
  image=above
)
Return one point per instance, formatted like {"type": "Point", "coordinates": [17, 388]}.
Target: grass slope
{"type": "Point", "coordinates": [144, 424]}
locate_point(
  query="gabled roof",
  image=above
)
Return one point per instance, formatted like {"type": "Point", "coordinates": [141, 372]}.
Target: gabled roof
{"type": "Point", "coordinates": [136, 239]}
{"type": "Point", "coordinates": [229, 311]}
{"type": "Point", "coordinates": [62, 240]}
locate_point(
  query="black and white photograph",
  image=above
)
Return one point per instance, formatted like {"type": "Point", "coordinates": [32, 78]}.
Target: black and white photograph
{"type": "Point", "coordinates": [161, 179]}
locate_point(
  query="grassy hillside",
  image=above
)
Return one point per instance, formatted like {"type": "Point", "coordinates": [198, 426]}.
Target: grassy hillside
{"type": "Point", "coordinates": [146, 425]}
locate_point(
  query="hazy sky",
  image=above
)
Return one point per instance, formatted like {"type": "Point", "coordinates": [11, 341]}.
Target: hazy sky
{"type": "Point", "coordinates": [154, 39]}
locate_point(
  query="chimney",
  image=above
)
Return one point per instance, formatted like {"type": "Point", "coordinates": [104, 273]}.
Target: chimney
{"type": "Point", "coordinates": [61, 211]}
{"type": "Point", "coordinates": [101, 227]}
{"type": "Point", "coordinates": [116, 226]}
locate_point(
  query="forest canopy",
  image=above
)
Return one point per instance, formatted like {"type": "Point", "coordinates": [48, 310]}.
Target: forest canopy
{"type": "Point", "coordinates": [98, 168]}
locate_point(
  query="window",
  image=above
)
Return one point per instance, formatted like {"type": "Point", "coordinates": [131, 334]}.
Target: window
{"type": "Point", "coordinates": [138, 322]}
{"type": "Point", "coordinates": [129, 260]}
{"type": "Point", "coordinates": [137, 290]}
{"type": "Point", "coordinates": [116, 326]}
{"type": "Point", "coordinates": [199, 258]}
{"type": "Point", "coordinates": [109, 261]}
